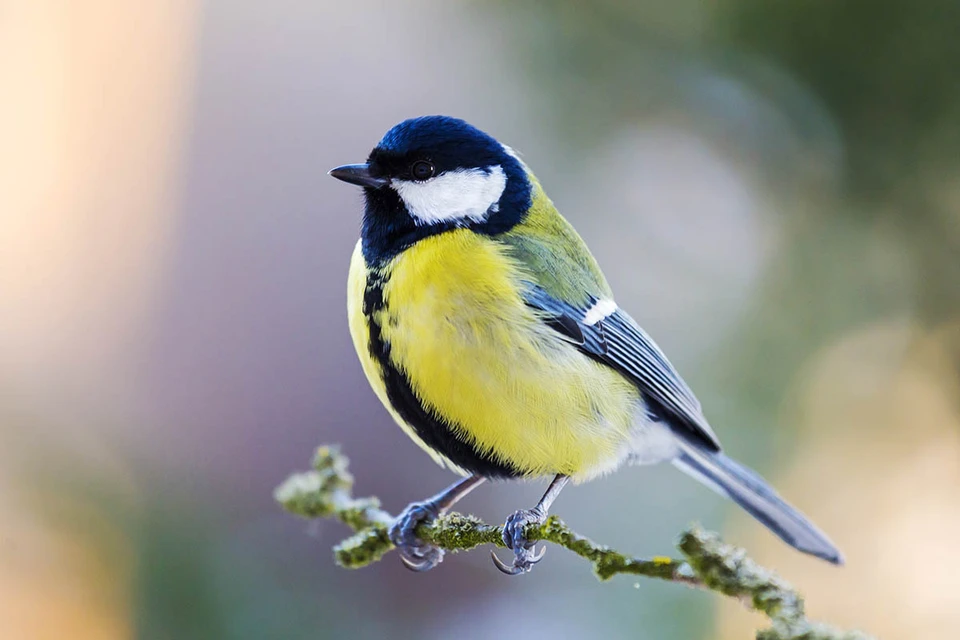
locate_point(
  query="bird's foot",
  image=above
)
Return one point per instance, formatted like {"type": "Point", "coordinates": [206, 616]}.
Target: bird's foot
{"type": "Point", "coordinates": [415, 554]}
{"type": "Point", "coordinates": [525, 555]}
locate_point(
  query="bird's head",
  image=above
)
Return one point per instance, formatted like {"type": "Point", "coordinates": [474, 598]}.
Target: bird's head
{"type": "Point", "coordinates": [432, 174]}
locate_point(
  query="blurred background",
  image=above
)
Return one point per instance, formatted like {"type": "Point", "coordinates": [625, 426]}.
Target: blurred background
{"type": "Point", "coordinates": [783, 215]}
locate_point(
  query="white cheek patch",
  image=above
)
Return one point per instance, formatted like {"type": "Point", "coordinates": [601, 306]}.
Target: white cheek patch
{"type": "Point", "coordinates": [464, 194]}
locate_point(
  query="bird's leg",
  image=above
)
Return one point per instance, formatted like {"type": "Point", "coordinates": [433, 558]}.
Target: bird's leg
{"type": "Point", "coordinates": [416, 555]}
{"type": "Point", "coordinates": [513, 531]}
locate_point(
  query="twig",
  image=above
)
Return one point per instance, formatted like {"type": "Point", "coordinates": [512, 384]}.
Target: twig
{"type": "Point", "coordinates": [326, 492]}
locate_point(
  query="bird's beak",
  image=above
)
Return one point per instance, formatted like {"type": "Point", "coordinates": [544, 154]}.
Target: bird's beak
{"type": "Point", "coordinates": [358, 174]}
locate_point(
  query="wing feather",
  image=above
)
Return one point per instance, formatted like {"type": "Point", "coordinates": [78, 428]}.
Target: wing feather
{"type": "Point", "coordinates": [617, 341]}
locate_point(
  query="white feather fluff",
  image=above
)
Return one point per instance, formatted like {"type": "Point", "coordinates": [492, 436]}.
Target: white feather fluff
{"type": "Point", "coordinates": [599, 311]}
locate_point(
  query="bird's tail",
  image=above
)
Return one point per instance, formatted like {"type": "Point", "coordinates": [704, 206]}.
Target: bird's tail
{"type": "Point", "coordinates": [745, 487]}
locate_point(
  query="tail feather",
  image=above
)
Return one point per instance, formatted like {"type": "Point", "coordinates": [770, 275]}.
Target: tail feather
{"type": "Point", "coordinates": [745, 487]}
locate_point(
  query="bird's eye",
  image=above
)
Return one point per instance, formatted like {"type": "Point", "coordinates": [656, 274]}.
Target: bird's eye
{"type": "Point", "coordinates": [421, 170]}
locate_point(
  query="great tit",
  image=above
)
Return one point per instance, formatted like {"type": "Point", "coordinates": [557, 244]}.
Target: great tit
{"type": "Point", "coordinates": [486, 328]}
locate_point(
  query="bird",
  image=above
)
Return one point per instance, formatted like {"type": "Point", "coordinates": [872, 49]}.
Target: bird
{"type": "Point", "coordinates": [486, 328]}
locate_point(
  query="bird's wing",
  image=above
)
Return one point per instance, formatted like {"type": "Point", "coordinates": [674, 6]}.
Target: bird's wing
{"type": "Point", "coordinates": [608, 335]}
{"type": "Point", "coordinates": [565, 284]}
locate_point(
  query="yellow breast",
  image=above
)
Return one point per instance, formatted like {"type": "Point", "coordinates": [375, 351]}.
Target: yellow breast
{"type": "Point", "coordinates": [476, 354]}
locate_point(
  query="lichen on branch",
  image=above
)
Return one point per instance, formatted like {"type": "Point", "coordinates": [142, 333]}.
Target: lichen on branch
{"type": "Point", "coordinates": [326, 491]}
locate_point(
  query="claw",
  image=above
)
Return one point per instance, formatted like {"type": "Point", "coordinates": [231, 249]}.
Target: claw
{"type": "Point", "coordinates": [514, 531]}
{"type": "Point", "coordinates": [537, 557]}
{"type": "Point", "coordinates": [522, 562]}
{"type": "Point", "coordinates": [514, 537]}
{"type": "Point", "coordinates": [414, 554]}
{"type": "Point", "coordinates": [421, 566]}
{"type": "Point", "coordinates": [505, 568]}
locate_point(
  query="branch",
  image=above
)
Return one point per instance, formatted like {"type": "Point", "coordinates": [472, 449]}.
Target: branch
{"type": "Point", "coordinates": [326, 492]}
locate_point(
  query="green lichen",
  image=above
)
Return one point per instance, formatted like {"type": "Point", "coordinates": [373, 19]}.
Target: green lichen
{"type": "Point", "coordinates": [362, 548]}
{"type": "Point", "coordinates": [305, 495]}
{"type": "Point", "coordinates": [709, 563]}
{"type": "Point", "coordinates": [727, 569]}
{"type": "Point", "coordinates": [457, 532]}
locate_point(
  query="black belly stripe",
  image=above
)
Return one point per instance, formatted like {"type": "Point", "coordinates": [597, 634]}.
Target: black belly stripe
{"type": "Point", "coordinates": [436, 432]}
